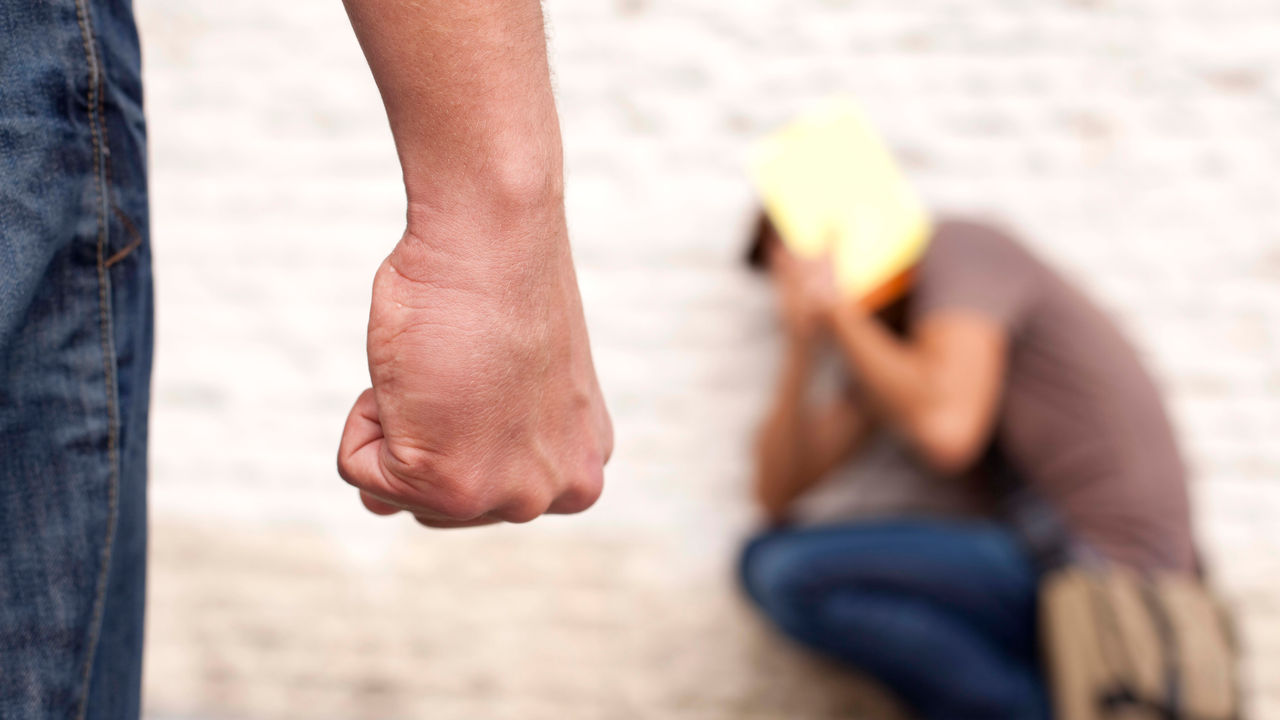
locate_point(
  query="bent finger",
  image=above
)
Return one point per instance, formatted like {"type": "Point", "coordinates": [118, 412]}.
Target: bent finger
{"type": "Point", "coordinates": [359, 451]}
{"type": "Point", "coordinates": [377, 506]}
{"type": "Point", "coordinates": [438, 524]}
{"type": "Point", "coordinates": [581, 496]}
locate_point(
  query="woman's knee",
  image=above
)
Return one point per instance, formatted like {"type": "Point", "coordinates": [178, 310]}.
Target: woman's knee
{"type": "Point", "coordinates": [771, 571]}
{"type": "Point", "coordinates": [747, 560]}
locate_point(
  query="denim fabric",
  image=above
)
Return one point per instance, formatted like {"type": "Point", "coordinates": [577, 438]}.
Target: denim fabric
{"type": "Point", "coordinates": [75, 359]}
{"type": "Point", "coordinates": [942, 613]}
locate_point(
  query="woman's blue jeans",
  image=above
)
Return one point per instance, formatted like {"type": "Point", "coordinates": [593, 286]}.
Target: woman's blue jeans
{"type": "Point", "coordinates": [942, 613]}
{"type": "Point", "coordinates": [75, 359]}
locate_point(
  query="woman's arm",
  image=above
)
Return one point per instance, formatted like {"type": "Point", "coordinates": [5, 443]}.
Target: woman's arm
{"type": "Point", "coordinates": [798, 444]}
{"type": "Point", "coordinates": [941, 388]}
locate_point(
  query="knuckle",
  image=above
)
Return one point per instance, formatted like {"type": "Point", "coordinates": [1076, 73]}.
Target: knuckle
{"type": "Point", "coordinates": [525, 509]}
{"type": "Point", "coordinates": [608, 448]}
{"type": "Point", "coordinates": [412, 461]}
{"type": "Point", "coordinates": [606, 439]}
{"type": "Point", "coordinates": [440, 486]}
{"type": "Point", "coordinates": [459, 503]}
{"type": "Point", "coordinates": [594, 490]}
{"type": "Point", "coordinates": [345, 471]}
{"type": "Point", "coordinates": [581, 495]}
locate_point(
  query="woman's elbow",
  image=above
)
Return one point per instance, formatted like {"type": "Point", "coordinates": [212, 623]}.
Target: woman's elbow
{"type": "Point", "coordinates": [950, 444]}
{"type": "Point", "coordinates": [770, 495]}
{"type": "Point", "coordinates": [772, 507]}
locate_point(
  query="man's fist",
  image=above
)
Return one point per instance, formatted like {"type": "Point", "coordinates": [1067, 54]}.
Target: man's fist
{"type": "Point", "coordinates": [485, 405]}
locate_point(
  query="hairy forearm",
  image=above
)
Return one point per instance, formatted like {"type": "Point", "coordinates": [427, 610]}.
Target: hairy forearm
{"type": "Point", "coordinates": [468, 95]}
{"type": "Point", "coordinates": [484, 404]}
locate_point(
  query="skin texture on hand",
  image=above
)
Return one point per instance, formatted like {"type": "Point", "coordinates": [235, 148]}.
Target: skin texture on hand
{"type": "Point", "coordinates": [485, 405]}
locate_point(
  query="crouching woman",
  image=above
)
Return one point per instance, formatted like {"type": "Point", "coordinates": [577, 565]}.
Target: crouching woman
{"type": "Point", "coordinates": [988, 348]}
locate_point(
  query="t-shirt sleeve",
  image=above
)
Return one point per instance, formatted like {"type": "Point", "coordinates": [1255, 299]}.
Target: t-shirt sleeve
{"type": "Point", "coordinates": [974, 267]}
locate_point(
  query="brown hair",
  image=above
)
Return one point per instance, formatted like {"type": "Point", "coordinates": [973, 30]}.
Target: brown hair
{"type": "Point", "coordinates": [896, 315]}
{"type": "Point", "coordinates": [757, 256]}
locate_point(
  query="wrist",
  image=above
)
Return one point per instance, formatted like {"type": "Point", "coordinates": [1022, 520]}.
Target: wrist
{"type": "Point", "coordinates": [801, 350]}
{"type": "Point", "coordinates": [502, 181]}
{"type": "Point", "coordinates": [845, 313]}
{"type": "Point", "coordinates": [512, 224]}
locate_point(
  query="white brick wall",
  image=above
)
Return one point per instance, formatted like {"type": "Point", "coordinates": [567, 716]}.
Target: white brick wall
{"type": "Point", "coordinates": [1136, 143]}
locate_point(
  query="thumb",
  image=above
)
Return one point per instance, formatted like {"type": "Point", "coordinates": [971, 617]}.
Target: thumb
{"type": "Point", "coordinates": [376, 506]}
{"type": "Point", "coordinates": [359, 451]}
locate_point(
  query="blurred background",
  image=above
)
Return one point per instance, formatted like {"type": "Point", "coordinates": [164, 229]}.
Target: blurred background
{"type": "Point", "coordinates": [1134, 143]}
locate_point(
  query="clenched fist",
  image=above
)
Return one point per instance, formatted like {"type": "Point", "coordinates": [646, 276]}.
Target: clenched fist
{"type": "Point", "coordinates": [485, 405]}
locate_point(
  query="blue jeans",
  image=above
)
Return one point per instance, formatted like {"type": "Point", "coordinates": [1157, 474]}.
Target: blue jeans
{"type": "Point", "coordinates": [75, 359]}
{"type": "Point", "coordinates": [942, 613]}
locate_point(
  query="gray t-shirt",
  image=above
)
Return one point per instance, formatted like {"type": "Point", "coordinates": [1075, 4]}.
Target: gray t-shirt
{"type": "Point", "coordinates": [1081, 419]}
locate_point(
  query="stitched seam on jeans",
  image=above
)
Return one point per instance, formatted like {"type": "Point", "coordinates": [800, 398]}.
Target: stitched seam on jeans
{"type": "Point", "coordinates": [135, 236]}
{"type": "Point", "coordinates": [97, 131]}
{"type": "Point", "coordinates": [129, 227]}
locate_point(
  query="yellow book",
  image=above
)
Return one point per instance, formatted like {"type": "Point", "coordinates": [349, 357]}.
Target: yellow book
{"type": "Point", "coordinates": [830, 185]}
